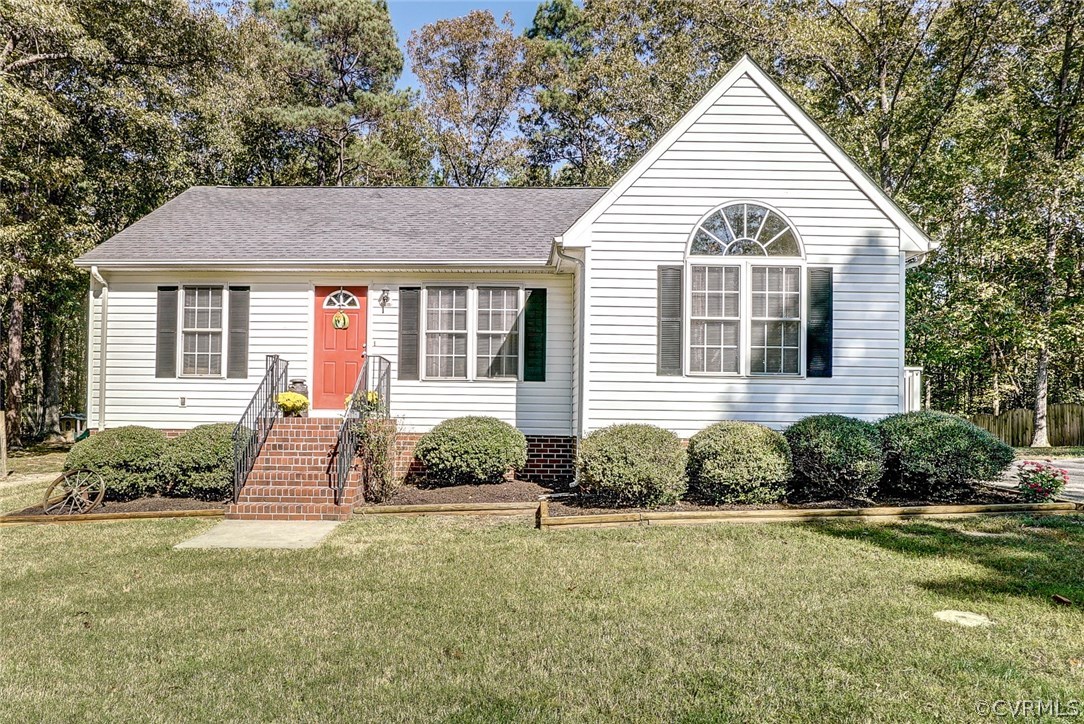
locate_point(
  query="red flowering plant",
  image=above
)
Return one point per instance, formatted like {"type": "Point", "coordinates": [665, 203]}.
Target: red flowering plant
{"type": "Point", "coordinates": [1040, 482]}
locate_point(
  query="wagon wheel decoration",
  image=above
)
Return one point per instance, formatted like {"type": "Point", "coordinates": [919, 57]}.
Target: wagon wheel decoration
{"type": "Point", "coordinates": [76, 491]}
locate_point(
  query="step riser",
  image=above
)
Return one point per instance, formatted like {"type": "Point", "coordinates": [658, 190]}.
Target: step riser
{"type": "Point", "coordinates": [269, 498]}
{"type": "Point", "coordinates": [290, 480]}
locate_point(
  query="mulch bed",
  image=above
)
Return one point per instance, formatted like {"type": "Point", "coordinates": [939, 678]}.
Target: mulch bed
{"type": "Point", "coordinates": [139, 505]}
{"type": "Point", "coordinates": [979, 496]}
{"type": "Point", "coordinates": [522, 491]}
{"type": "Point", "coordinates": [516, 491]}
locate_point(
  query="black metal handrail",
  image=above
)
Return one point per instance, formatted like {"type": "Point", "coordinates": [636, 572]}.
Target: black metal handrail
{"type": "Point", "coordinates": [371, 398]}
{"type": "Point", "coordinates": [256, 422]}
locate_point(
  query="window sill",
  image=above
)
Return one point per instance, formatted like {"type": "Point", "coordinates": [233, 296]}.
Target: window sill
{"type": "Point", "coordinates": [470, 379]}
{"type": "Point", "coordinates": [738, 376]}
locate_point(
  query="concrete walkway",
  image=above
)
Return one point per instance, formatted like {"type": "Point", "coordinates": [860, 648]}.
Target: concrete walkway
{"type": "Point", "coordinates": [263, 534]}
{"type": "Point", "coordinates": [1075, 466]}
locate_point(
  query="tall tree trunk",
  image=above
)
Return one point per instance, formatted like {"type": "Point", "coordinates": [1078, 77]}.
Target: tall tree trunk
{"type": "Point", "coordinates": [14, 358]}
{"type": "Point", "coordinates": [1042, 366]}
{"type": "Point", "coordinates": [52, 367]}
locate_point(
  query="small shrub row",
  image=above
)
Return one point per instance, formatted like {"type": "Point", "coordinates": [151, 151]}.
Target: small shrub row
{"type": "Point", "coordinates": [139, 461]}
{"type": "Point", "coordinates": [928, 455]}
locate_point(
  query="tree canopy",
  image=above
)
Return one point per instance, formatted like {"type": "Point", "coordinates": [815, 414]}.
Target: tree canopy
{"type": "Point", "coordinates": [969, 114]}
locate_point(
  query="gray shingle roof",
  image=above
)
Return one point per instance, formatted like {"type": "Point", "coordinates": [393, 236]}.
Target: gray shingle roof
{"type": "Point", "coordinates": [329, 224]}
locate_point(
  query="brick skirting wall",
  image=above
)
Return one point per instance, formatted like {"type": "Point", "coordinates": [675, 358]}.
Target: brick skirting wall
{"type": "Point", "coordinates": [550, 458]}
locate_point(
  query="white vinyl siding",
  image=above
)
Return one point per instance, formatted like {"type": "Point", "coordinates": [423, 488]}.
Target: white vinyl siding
{"type": "Point", "coordinates": [536, 408]}
{"type": "Point", "coordinates": [743, 148]}
{"type": "Point", "coordinates": [281, 314]}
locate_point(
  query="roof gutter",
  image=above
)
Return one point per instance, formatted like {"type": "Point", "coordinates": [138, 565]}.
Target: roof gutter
{"type": "Point", "coordinates": [102, 343]}
{"type": "Point", "coordinates": [916, 260]}
{"type": "Point", "coordinates": [315, 264]}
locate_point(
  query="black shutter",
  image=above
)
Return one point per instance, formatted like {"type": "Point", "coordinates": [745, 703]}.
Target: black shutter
{"type": "Point", "coordinates": [165, 349]}
{"type": "Point", "coordinates": [410, 300]}
{"type": "Point", "coordinates": [534, 336]}
{"type": "Point", "coordinates": [818, 353]}
{"type": "Point", "coordinates": [237, 364]}
{"type": "Point", "coordinates": [670, 320]}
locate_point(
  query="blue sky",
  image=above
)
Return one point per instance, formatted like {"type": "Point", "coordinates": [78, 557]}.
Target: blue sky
{"type": "Point", "coordinates": [408, 15]}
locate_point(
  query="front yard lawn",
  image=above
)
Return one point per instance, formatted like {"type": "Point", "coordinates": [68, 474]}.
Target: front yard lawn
{"type": "Point", "coordinates": [1053, 453]}
{"type": "Point", "coordinates": [467, 620]}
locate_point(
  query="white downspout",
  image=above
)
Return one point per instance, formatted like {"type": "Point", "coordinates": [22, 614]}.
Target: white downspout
{"type": "Point", "coordinates": [101, 344]}
{"type": "Point", "coordinates": [581, 289]}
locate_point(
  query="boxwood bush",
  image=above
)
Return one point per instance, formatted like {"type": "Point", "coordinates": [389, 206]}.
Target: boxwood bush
{"type": "Point", "coordinates": [470, 450]}
{"type": "Point", "coordinates": [738, 462]}
{"type": "Point", "coordinates": [127, 458]}
{"type": "Point", "coordinates": [834, 457]}
{"type": "Point", "coordinates": [199, 463]}
{"type": "Point", "coordinates": [632, 465]}
{"type": "Point", "coordinates": [935, 455]}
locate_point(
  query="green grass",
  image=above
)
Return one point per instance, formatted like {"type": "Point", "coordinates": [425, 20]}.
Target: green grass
{"type": "Point", "coordinates": [459, 620]}
{"type": "Point", "coordinates": [1033, 453]}
{"type": "Point", "coordinates": [29, 473]}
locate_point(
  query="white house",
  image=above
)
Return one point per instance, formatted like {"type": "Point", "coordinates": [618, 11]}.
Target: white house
{"type": "Point", "coordinates": [744, 268]}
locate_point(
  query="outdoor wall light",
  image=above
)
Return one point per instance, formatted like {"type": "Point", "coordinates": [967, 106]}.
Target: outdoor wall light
{"type": "Point", "coordinates": [385, 299]}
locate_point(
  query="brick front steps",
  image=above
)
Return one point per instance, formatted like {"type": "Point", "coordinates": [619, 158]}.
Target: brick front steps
{"type": "Point", "coordinates": [290, 481]}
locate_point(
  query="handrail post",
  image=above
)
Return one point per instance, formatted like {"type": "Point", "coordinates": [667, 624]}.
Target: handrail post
{"type": "Point", "coordinates": [251, 431]}
{"type": "Point", "coordinates": [375, 373]}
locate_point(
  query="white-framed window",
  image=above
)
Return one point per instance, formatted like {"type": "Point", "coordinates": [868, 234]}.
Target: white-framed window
{"type": "Point", "coordinates": [498, 332]}
{"type": "Point", "coordinates": [775, 320]}
{"type": "Point", "coordinates": [745, 272]}
{"type": "Point", "coordinates": [715, 319]}
{"type": "Point", "coordinates": [472, 332]}
{"type": "Point", "coordinates": [446, 332]}
{"type": "Point", "coordinates": [202, 314]}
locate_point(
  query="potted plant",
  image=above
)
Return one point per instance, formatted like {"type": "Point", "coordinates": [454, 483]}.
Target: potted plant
{"type": "Point", "coordinates": [292, 404]}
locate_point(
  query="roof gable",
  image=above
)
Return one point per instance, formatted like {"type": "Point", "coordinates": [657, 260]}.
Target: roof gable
{"type": "Point", "coordinates": [912, 238]}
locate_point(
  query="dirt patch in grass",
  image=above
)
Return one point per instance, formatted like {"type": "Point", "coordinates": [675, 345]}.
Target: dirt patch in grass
{"type": "Point", "coordinates": [979, 495]}
{"type": "Point", "coordinates": [139, 505]}
{"type": "Point", "coordinates": [516, 491]}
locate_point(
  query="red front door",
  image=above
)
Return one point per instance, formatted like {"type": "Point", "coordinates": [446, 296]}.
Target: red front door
{"type": "Point", "coordinates": [339, 344]}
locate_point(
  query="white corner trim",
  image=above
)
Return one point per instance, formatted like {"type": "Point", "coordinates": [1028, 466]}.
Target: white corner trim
{"type": "Point", "coordinates": [912, 238]}
{"type": "Point", "coordinates": [103, 330]}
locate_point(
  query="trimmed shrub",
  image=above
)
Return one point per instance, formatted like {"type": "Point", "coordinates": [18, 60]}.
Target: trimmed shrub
{"type": "Point", "coordinates": [632, 465]}
{"type": "Point", "coordinates": [739, 462]}
{"type": "Point", "coordinates": [199, 463]}
{"type": "Point", "coordinates": [470, 450]}
{"type": "Point", "coordinates": [935, 455]}
{"type": "Point", "coordinates": [127, 458]}
{"type": "Point", "coordinates": [834, 457]}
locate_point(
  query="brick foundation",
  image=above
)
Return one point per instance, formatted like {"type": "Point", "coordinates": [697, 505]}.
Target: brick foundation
{"type": "Point", "coordinates": [550, 458]}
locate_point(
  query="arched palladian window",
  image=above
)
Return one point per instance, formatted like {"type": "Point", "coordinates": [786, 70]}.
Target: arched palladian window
{"type": "Point", "coordinates": [745, 229]}
{"type": "Point", "coordinates": [744, 276]}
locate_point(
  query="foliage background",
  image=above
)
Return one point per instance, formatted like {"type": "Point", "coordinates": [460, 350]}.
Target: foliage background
{"type": "Point", "coordinates": [967, 113]}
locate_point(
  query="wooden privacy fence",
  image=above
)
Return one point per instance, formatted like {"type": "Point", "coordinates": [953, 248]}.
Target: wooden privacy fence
{"type": "Point", "coordinates": [1065, 425]}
